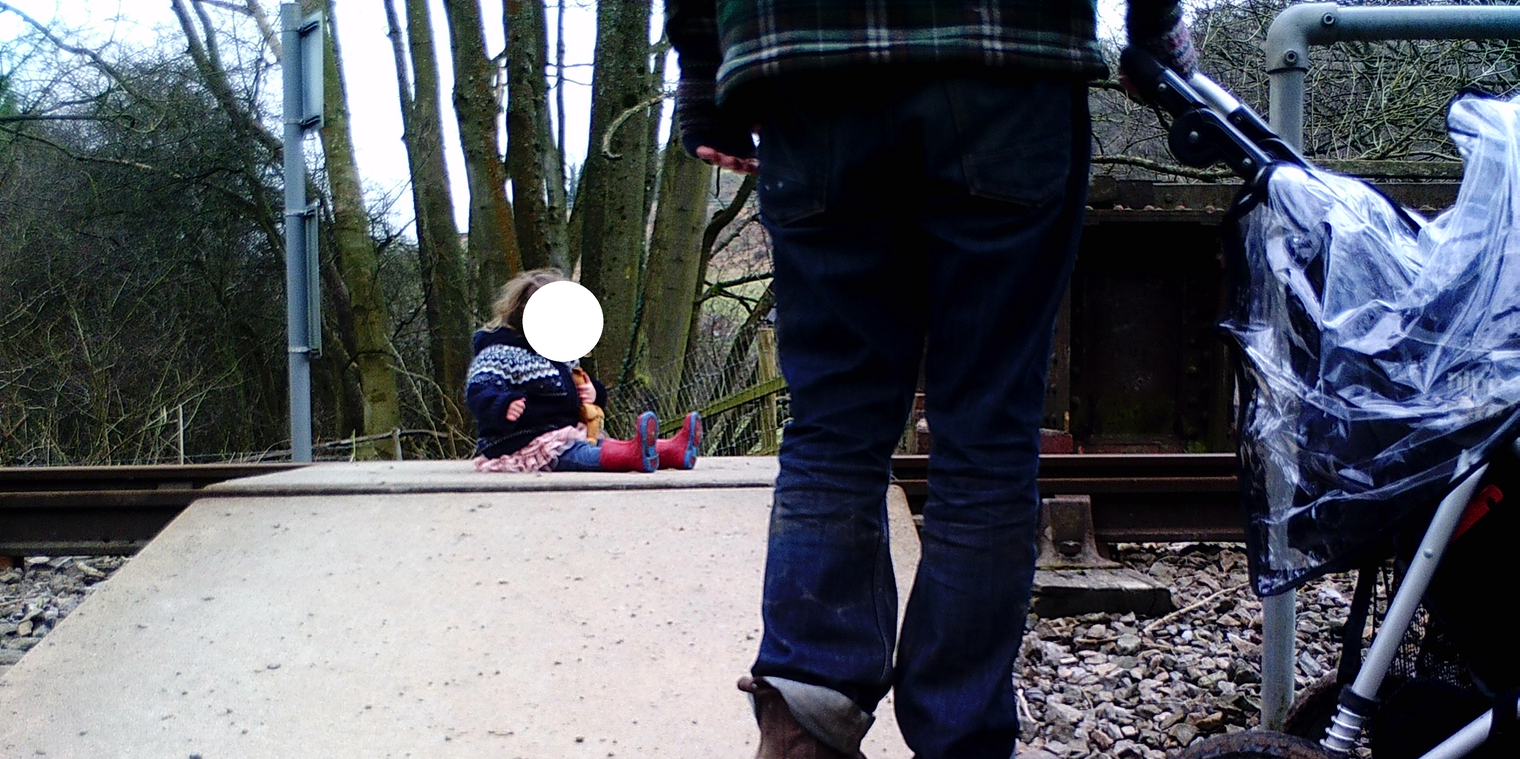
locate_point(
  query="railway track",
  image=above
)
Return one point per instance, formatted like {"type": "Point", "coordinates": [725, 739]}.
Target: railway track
{"type": "Point", "coordinates": [1136, 498]}
{"type": "Point", "coordinates": [117, 510]}
{"type": "Point", "coordinates": [101, 510]}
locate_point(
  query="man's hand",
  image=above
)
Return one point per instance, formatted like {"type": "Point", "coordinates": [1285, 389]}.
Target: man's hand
{"type": "Point", "coordinates": [515, 409]}
{"type": "Point", "coordinates": [726, 161]}
{"type": "Point", "coordinates": [587, 392]}
{"type": "Point", "coordinates": [1158, 28]}
{"type": "Point", "coordinates": [1173, 50]}
{"type": "Point", "coordinates": [1130, 88]}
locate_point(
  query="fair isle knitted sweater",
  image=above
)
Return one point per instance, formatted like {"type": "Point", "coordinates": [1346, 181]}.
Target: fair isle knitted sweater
{"type": "Point", "coordinates": [507, 368]}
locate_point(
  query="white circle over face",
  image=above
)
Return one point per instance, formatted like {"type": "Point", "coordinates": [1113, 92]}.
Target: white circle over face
{"type": "Point", "coordinates": [562, 321]}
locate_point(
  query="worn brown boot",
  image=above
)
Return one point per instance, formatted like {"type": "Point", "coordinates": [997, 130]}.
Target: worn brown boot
{"type": "Point", "coordinates": [781, 737]}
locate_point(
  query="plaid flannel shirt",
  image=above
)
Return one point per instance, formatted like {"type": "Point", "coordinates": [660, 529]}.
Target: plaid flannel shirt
{"type": "Point", "coordinates": [726, 44]}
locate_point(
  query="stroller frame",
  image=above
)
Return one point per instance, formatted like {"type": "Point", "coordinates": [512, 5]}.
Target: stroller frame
{"type": "Point", "coordinates": [1211, 126]}
{"type": "Point", "coordinates": [1358, 700]}
{"type": "Point", "coordinates": [1289, 40]}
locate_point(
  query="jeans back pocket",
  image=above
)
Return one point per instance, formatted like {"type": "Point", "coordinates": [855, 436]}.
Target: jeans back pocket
{"type": "Point", "coordinates": [788, 195]}
{"type": "Point", "coordinates": [1015, 137]}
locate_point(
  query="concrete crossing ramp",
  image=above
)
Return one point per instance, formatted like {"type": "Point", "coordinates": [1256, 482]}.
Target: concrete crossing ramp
{"type": "Point", "coordinates": [424, 610]}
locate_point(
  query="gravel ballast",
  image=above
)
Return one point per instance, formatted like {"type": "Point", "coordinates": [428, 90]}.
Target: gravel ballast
{"type": "Point", "coordinates": [1116, 686]}
{"type": "Point", "coordinates": [36, 595]}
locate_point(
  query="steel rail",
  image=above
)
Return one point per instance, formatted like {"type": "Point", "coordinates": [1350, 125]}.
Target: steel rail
{"type": "Point", "coordinates": [102, 510]}
{"type": "Point", "coordinates": [152, 476]}
{"type": "Point", "coordinates": [117, 510]}
{"type": "Point", "coordinates": [1136, 498]}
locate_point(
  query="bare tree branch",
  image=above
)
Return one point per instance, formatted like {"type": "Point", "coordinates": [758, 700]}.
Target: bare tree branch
{"type": "Point", "coordinates": [1162, 168]}
{"type": "Point", "coordinates": [624, 116]}
{"type": "Point", "coordinates": [207, 58]}
{"type": "Point", "coordinates": [100, 62]}
{"type": "Point", "coordinates": [50, 117]}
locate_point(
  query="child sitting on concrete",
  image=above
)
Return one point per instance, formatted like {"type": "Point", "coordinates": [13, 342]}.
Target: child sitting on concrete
{"type": "Point", "coordinates": [529, 411]}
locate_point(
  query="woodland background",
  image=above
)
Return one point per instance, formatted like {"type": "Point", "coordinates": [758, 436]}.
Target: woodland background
{"type": "Point", "coordinates": [141, 250]}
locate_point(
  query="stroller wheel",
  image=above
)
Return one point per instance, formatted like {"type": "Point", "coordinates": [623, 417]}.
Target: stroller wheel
{"type": "Point", "coordinates": [1254, 744]}
{"type": "Point", "coordinates": [1309, 716]}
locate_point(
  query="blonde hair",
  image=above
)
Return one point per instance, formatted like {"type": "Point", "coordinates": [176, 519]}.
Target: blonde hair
{"type": "Point", "coordinates": [513, 297]}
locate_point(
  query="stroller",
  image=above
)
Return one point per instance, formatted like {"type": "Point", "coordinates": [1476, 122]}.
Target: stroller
{"type": "Point", "coordinates": [1379, 381]}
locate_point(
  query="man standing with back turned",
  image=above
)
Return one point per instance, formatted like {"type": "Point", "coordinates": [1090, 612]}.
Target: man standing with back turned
{"type": "Point", "coordinates": [923, 174]}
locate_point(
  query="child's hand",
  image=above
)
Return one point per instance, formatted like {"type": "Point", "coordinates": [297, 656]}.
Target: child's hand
{"type": "Point", "coordinates": [515, 409]}
{"type": "Point", "coordinates": [587, 392]}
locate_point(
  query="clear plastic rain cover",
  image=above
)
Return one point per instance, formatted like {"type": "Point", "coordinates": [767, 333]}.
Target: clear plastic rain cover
{"type": "Point", "coordinates": [1382, 352]}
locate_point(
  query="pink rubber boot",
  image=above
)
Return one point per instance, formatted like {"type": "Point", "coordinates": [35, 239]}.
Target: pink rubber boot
{"type": "Point", "coordinates": [680, 452]}
{"type": "Point", "coordinates": [636, 455]}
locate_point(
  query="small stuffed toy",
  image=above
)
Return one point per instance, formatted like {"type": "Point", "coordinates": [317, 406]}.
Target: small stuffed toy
{"type": "Point", "coordinates": [591, 413]}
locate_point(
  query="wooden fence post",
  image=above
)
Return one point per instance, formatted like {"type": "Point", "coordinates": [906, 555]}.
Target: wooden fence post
{"type": "Point", "coordinates": [770, 368]}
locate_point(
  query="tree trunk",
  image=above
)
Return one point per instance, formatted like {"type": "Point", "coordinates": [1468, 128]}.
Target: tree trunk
{"type": "Point", "coordinates": [652, 164]}
{"type": "Point", "coordinates": [357, 260]}
{"type": "Point", "coordinates": [716, 225]}
{"type": "Point", "coordinates": [675, 261]}
{"type": "Point", "coordinates": [541, 231]}
{"type": "Point", "coordinates": [206, 55]}
{"type": "Point", "coordinates": [339, 345]}
{"type": "Point", "coordinates": [576, 220]}
{"type": "Point", "coordinates": [559, 202]}
{"type": "Point", "coordinates": [438, 252]}
{"type": "Point", "coordinates": [493, 247]}
{"type": "Point", "coordinates": [611, 203]}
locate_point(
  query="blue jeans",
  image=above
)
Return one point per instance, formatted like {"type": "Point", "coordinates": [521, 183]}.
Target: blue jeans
{"type": "Point", "coordinates": [943, 210]}
{"type": "Point", "coordinates": [579, 457]}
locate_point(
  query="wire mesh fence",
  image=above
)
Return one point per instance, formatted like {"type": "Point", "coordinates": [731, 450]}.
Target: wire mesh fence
{"type": "Point", "coordinates": [739, 392]}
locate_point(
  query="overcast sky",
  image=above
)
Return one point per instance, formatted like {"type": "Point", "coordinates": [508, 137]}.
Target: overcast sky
{"type": "Point", "coordinates": [370, 69]}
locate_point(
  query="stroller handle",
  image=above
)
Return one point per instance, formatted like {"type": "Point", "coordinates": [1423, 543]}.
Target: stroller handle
{"type": "Point", "coordinates": [1209, 124]}
{"type": "Point", "coordinates": [1218, 98]}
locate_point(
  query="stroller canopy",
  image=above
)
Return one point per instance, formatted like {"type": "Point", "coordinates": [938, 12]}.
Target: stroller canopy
{"type": "Point", "coordinates": [1381, 352]}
